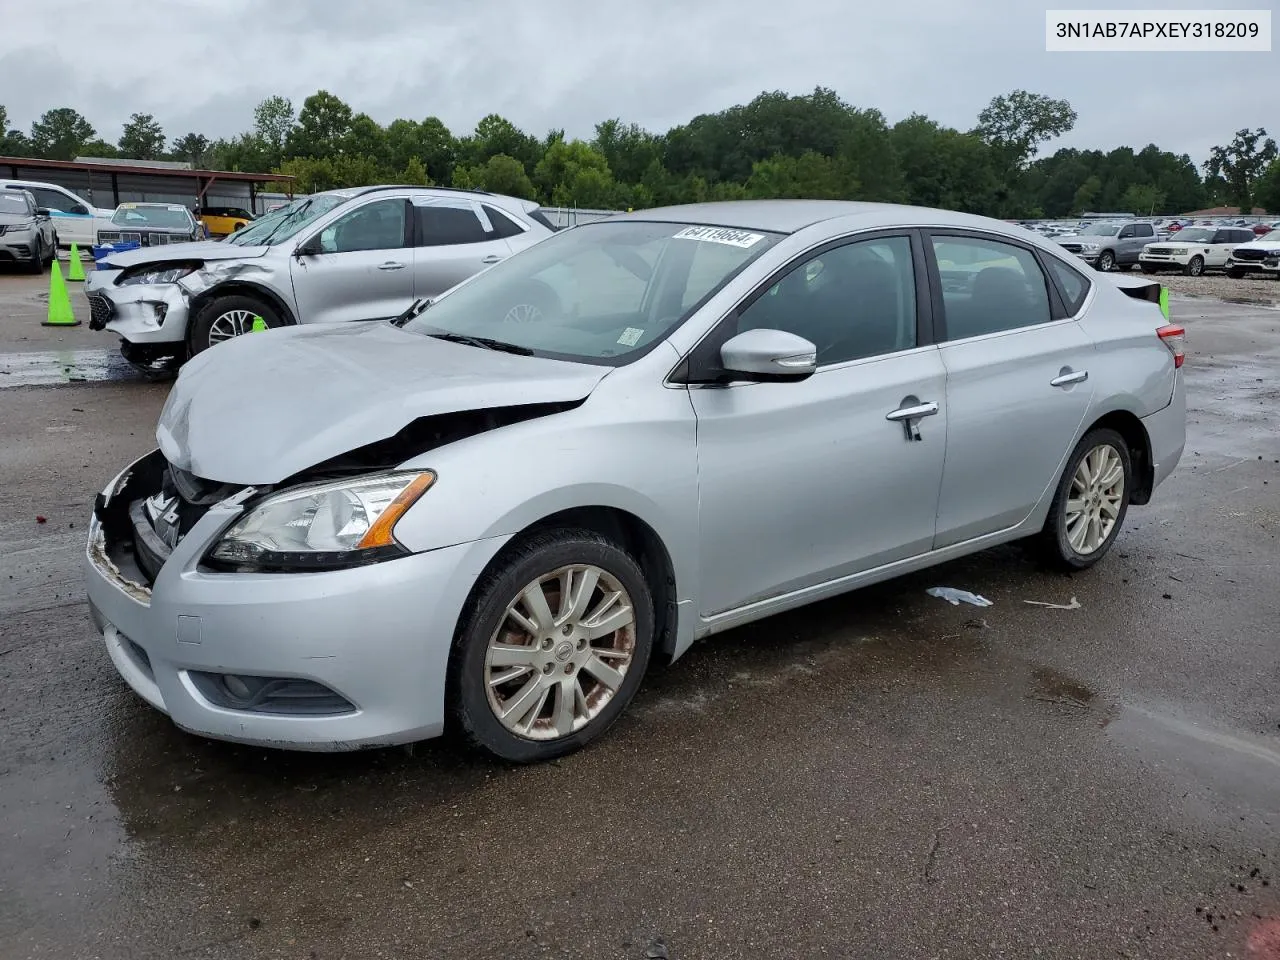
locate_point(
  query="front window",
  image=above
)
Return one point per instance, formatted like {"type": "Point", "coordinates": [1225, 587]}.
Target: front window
{"type": "Point", "coordinates": [599, 293]}
{"type": "Point", "coordinates": [1100, 230]}
{"type": "Point", "coordinates": [280, 225]}
{"type": "Point", "coordinates": [164, 218]}
{"type": "Point", "coordinates": [14, 204]}
{"type": "Point", "coordinates": [1195, 235]}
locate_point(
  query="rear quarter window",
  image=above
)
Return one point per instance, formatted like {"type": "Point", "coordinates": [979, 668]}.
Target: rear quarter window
{"type": "Point", "coordinates": [1072, 285]}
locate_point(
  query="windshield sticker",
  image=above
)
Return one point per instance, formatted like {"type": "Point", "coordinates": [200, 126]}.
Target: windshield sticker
{"type": "Point", "coordinates": [631, 336]}
{"type": "Point", "coordinates": [128, 206]}
{"type": "Point", "coordinates": [734, 238]}
{"type": "Point", "coordinates": [177, 206]}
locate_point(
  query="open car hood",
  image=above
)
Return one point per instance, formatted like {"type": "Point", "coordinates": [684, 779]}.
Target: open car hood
{"type": "Point", "coordinates": [263, 407]}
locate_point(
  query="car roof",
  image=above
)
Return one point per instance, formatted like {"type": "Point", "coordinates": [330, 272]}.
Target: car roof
{"type": "Point", "coordinates": [791, 216]}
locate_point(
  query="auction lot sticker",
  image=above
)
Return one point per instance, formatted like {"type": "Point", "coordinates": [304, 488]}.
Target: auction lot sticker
{"type": "Point", "coordinates": [1155, 31]}
{"type": "Point", "coordinates": [734, 238]}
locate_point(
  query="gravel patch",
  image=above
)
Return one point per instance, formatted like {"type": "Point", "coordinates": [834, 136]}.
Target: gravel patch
{"type": "Point", "coordinates": [1252, 289]}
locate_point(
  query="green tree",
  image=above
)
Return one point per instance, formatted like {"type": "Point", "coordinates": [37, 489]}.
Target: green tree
{"type": "Point", "coordinates": [273, 121]}
{"type": "Point", "coordinates": [1240, 163]}
{"type": "Point", "coordinates": [499, 174]}
{"type": "Point", "coordinates": [246, 153]}
{"type": "Point", "coordinates": [98, 148]}
{"type": "Point", "coordinates": [60, 133]}
{"type": "Point", "coordinates": [366, 138]}
{"type": "Point", "coordinates": [627, 148]}
{"type": "Point", "coordinates": [1086, 195]}
{"type": "Point", "coordinates": [1017, 123]}
{"type": "Point", "coordinates": [415, 173]}
{"type": "Point", "coordinates": [1266, 191]}
{"type": "Point", "coordinates": [193, 148]}
{"type": "Point", "coordinates": [323, 125]}
{"type": "Point", "coordinates": [574, 174]}
{"type": "Point", "coordinates": [494, 135]}
{"type": "Point", "coordinates": [1144, 199]}
{"type": "Point", "coordinates": [142, 138]}
{"type": "Point", "coordinates": [310, 175]}
{"type": "Point", "coordinates": [942, 167]}
{"type": "Point", "coordinates": [809, 175]}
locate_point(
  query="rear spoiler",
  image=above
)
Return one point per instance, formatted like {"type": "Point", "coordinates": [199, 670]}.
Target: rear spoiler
{"type": "Point", "coordinates": [1148, 290]}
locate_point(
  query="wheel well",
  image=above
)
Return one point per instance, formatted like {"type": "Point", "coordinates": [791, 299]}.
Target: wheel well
{"type": "Point", "coordinates": [642, 542]}
{"type": "Point", "coordinates": [235, 288]}
{"type": "Point", "coordinates": [1135, 436]}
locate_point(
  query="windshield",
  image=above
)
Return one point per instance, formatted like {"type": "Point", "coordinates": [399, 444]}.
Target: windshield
{"type": "Point", "coordinates": [1272, 237]}
{"type": "Point", "coordinates": [171, 218]}
{"type": "Point", "coordinates": [1195, 235]}
{"type": "Point", "coordinates": [282, 224]}
{"type": "Point", "coordinates": [1100, 230]}
{"type": "Point", "coordinates": [14, 203]}
{"type": "Point", "coordinates": [601, 293]}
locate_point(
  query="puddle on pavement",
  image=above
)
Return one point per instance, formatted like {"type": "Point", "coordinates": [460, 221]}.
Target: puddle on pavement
{"type": "Point", "coordinates": [54, 367]}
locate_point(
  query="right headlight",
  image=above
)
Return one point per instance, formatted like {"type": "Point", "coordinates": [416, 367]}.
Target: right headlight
{"type": "Point", "coordinates": [1089, 246]}
{"type": "Point", "coordinates": [324, 526]}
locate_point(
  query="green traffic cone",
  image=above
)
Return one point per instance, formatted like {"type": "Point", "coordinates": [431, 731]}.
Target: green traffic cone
{"type": "Point", "coordinates": [75, 269]}
{"type": "Point", "coordinates": [258, 324]}
{"type": "Point", "coordinates": [60, 312]}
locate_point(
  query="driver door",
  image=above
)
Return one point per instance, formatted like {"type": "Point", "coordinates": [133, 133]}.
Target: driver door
{"type": "Point", "coordinates": [364, 270]}
{"type": "Point", "coordinates": [803, 483]}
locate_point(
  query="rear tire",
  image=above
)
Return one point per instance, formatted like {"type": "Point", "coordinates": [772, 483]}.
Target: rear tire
{"type": "Point", "coordinates": [1076, 534]}
{"type": "Point", "coordinates": [505, 706]}
{"type": "Point", "coordinates": [1194, 267]}
{"type": "Point", "coordinates": [226, 317]}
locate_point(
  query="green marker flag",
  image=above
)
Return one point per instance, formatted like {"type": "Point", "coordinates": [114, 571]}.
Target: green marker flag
{"type": "Point", "coordinates": [260, 324]}
{"type": "Point", "coordinates": [1164, 301]}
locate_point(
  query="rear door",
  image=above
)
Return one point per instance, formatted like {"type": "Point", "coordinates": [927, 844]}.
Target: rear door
{"type": "Point", "coordinates": [364, 270]}
{"type": "Point", "coordinates": [1017, 381]}
{"type": "Point", "coordinates": [455, 239]}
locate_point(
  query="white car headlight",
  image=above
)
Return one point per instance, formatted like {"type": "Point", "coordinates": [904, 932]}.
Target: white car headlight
{"type": "Point", "coordinates": [1088, 245]}
{"type": "Point", "coordinates": [157, 274]}
{"type": "Point", "coordinates": [1178, 251]}
{"type": "Point", "coordinates": [324, 526]}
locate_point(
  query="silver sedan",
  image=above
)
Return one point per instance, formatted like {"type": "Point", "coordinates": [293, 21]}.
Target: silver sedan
{"type": "Point", "coordinates": [495, 511]}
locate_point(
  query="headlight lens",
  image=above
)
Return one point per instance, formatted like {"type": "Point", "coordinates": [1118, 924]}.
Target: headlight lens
{"type": "Point", "coordinates": [157, 274]}
{"type": "Point", "coordinates": [1178, 251]}
{"type": "Point", "coordinates": [1089, 245]}
{"type": "Point", "coordinates": [323, 526]}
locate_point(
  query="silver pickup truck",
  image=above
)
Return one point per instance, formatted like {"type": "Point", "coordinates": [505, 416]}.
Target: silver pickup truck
{"type": "Point", "coordinates": [1107, 245]}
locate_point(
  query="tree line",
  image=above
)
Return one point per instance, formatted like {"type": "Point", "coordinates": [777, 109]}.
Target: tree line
{"type": "Point", "coordinates": [778, 145]}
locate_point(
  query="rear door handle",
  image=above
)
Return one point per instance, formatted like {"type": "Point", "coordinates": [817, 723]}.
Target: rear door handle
{"type": "Point", "coordinates": [391, 265]}
{"type": "Point", "coordinates": [493, 258]}
{"type": "Point", "coordinates": [913, 412]}
{"type": "Point", "coordinates": [1069, 377]}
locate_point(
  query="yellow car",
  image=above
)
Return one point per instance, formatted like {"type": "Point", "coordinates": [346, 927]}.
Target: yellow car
{"type": "Point", "coordinates": [221, 221]}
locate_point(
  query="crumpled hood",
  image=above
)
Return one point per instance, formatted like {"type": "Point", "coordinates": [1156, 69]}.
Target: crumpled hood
{"type": "Point", "coordinates": [199, 250]}
{"type": "Point", "coordinates": [264, 406]}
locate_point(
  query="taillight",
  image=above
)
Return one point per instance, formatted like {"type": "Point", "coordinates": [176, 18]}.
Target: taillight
{"type": "Point", "coordinates": [1174, 337]}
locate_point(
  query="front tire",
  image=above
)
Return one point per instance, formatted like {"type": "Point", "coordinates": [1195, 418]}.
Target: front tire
{"type": "Point", "coordinates": [228, 317]}
{"type": "Point", "coordinates": [36, 264]}
{"type": "Point", "coordinates": [1106, 260]}
{"type": "Point", "coordinates": [555, 647]}
{"type": "Point", "coordinates": [1194, 267]}
{"type": "Point", "coordinates": [1091, 501]}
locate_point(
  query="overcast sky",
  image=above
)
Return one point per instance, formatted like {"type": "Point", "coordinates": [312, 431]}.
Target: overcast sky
{"type": "Point", "coordinates": [202, 64]}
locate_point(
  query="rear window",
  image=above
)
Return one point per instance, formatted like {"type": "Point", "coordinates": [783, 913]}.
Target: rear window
{"type": "Point", "coordinates": [1072, 286]}
{"type": "Point", "coordinates": [503, 226]}
{"type": "Point", "coordinates": [537, 216]}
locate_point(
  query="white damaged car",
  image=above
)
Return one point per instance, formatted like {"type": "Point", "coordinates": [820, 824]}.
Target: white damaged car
{"type": "Point", "coordinates": [364, 253]}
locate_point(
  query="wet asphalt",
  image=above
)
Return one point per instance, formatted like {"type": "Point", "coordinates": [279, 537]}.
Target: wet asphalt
{"type": "Point", "coordinates": [882, 775]}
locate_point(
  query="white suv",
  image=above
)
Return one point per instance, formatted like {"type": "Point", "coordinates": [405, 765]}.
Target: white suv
{"type": "Point", "coordinates": [74, 220]}
{"type": "Point", "coordinates": [364, 253]}
{"type": "Point", "coordinates": [1193, 250]}
{"type": "Point", "coordinates": [1261, 255]}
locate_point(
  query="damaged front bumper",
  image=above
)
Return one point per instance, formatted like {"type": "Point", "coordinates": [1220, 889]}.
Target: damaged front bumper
{"type": "Point", "coordinates": [140, 313]}
{"type": "Point", "coordinates": [328, 661]}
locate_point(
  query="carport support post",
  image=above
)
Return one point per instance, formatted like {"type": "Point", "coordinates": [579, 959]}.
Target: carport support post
{"type": "Point", "coordinates": [253, 198]}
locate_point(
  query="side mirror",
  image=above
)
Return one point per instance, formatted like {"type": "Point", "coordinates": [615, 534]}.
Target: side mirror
{"type": "Point", "coordinates": [43, 212]}
{"type": "Point", "coordinates": [80, 210]}
{"type": "Point", "coordinates": [765, 356]}
{"type": "Point", "coordinates": [310, 248]}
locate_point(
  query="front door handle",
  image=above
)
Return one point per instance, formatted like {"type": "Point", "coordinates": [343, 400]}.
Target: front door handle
{"type": "Point", "coordinates": [493, 258]}
{"type": "Point", "coordinates": [913, 412]}
{"type": "Point", "coordinates": [391, 265]}
{"type": "Point", "coordinates": [1068, 377]}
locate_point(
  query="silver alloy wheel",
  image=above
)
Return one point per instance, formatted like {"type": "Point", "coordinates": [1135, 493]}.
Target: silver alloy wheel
{"type": "Point", "coordinates": [1094, 500]}
{"type": "Point", "coordinates": [230, 324]}
{"type": "Point", "coordinates": [560, 653]}
{"type": "Point", "coordinates": [1197, 266]}
{"type": "Point", "coordinates": [523, 313]}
